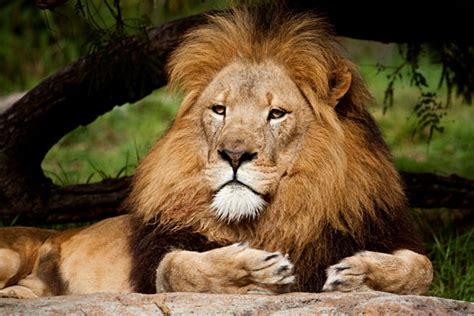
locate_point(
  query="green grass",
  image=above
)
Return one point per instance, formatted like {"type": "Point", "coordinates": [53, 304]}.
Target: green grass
{"type": "Point", "coordinates": [451, 152]}
{"type": "Point", "coordinates": [113, 144]}
{"type": "Point", "coordinates": [451, 254]}
{"type": "Point", "coordinates": [449, 243]}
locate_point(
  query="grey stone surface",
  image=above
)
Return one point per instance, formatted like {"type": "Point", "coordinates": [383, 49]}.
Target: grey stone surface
{"type": "Point", "coordinates": [366, 303]}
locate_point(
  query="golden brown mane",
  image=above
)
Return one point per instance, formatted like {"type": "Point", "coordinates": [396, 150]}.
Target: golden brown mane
{"type": "Point", "coordinates": [342, 177]}
{"type": "Point", "coordinates": [304, 44]}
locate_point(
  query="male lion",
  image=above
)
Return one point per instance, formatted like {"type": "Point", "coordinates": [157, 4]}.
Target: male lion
{"type": "Point", "coordinates": [272, 178]}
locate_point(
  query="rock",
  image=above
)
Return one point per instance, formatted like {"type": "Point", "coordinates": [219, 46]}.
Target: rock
{"type": "Point", "coordinates": [367, 303]}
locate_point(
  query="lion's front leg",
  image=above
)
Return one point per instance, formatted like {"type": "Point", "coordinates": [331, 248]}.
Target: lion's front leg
{"type": "Point", "coordinates": [403, 272]}
{"type": "Point", "coordinates": [236, 269]}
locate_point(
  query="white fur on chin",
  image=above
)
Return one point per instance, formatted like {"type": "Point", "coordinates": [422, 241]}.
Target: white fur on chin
{"type": "Point", "coordinates": [235, 202]}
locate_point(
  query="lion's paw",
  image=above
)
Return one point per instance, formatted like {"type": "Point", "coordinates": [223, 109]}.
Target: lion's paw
{"type": "Point", "coordinates": [268, 272]}
{"type": "Point", "coordinates": [9, 294]}
{"type": "Point", "coordinates": [241, 269]}
{"type": "Point", "coordinates": [18, 292]}
{"type": "Point", "coordinates": [235, 269]}
{"type": "Point", "coordinates": [350, 274]}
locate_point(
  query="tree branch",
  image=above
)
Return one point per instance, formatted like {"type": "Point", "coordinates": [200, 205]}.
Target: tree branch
{"type": "Point", "coordinates": [75, 204]}
{"type": "Point", "coordinates": [428, 190]}
{"type": "Point", "coordinates": [90, 202]}
{"type": "Point", "coordinates": [48, 4]}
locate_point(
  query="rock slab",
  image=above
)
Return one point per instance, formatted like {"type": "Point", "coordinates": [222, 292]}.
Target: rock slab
{"type": "Point", "coordinates": [362, 303]}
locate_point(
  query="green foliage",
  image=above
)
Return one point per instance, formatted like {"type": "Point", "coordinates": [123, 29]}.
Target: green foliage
{"type": "Point", "coordinates": [429, 112]}
{"type": "Point", "coordinates": [30, 47]}
{"type": "Point", "coordinates": [107, 23]}
{"type": "Point", "coordinates": [447, 153]}
{"type": "Point", "coordinates": [429, 109]}
{"type": "Point", "coordinates": [35, 43]}
{"type": "Point", "coordinates": [457, 61]}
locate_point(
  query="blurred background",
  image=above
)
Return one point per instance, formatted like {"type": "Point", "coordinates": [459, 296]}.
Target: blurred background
{"type": "Point", "coordinates": [35, 43]}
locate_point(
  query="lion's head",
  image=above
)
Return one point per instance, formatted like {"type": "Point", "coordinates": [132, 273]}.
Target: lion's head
{"type": "Point", "coordinates": [272, 143]}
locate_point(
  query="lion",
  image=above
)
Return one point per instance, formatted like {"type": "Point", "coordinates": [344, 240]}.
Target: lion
{"type": "Point", "coordinates": [272, 178]}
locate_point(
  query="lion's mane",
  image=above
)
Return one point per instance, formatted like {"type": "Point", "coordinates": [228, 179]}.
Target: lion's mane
{"type": "Point", "coordinates": [343, 194]}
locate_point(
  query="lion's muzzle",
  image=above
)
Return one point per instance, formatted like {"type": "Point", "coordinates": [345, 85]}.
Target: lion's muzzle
{"type": "Point", "coordinates": [236, 201]}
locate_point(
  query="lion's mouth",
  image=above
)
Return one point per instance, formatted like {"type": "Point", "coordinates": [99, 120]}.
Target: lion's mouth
{"type": "Point", "coordinates": [235, 182]}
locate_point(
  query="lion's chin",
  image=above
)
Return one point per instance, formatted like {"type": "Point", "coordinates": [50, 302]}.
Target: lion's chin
{"type": "Point", "coordinates": [235, 202]}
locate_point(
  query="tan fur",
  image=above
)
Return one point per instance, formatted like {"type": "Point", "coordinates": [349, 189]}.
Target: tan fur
{"type": "Point", "coordinates": [317, 170]}
{"type": "Point", "coordinates": [88, 260]}
{"type": "Point", "coordinates": [18, 291]}
{"type": "Point", "coordinates": [89, 256]}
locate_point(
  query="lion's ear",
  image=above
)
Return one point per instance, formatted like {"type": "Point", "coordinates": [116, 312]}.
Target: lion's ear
{"type": "Point", "coordinates": [339, 83]}
{"type": "Point", "coordinates": [186, 104]}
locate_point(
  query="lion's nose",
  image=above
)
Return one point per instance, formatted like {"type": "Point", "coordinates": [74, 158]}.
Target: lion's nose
{"type": "Point", "coordinates": [236, 158]}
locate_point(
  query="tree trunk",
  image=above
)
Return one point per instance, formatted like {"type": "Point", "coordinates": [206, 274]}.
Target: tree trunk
{"type": "Point", "coordinates": [427, 190]}
{"type": "Point", "coordinates": [402, 21]}
{"type": "Point", "coordinates": [123, 72]}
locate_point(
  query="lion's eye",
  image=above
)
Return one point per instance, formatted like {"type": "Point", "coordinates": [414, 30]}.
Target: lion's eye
{"type": "Point", "coordinates": [276, 114]}
{"type": "Point", "coordinates": [218, 109]}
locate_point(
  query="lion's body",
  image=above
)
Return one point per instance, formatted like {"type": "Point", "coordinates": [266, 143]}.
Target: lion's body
{"type": "Point", "coordinates": [272, 146]}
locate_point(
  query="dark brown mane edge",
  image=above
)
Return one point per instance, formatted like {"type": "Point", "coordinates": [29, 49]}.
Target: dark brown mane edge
{"type": "Point", "coordinates": [149, 243]}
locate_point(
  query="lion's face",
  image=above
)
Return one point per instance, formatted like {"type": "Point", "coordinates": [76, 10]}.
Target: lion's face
{"type": "Point", "coordinates": [253, 117]}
